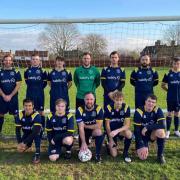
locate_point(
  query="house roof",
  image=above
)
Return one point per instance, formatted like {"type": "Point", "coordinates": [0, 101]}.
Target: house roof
{"type": "Point", "coordinates": [30, 53]}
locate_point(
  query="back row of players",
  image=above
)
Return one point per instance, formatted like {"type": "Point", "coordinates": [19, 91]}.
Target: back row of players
{"type": "Point", "coordinates": [149, 121]}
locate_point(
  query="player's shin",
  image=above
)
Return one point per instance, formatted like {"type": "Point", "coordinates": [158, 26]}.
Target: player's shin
{"type": "Point", "coordinates": [127, 143]}
{"type": "Point", "coordinates": [1, 123]}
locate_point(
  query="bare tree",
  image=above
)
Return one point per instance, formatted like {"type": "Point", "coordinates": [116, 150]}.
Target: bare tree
{"type": "Point", "coordinates": [94, 43]}
{"type": "Point", "coordinates": [58, 38]}
{"type": "Point", "coordinates": [172, 33]}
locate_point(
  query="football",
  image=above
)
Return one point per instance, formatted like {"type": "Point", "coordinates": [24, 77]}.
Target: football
{"type": "Point", "coordinates": [85, 156]}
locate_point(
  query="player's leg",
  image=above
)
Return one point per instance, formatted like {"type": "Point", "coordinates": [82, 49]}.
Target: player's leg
{"type": "Point", "coordinates": [53, 152]}
{"type": "Point", "coordinates": [113, 147]}
{"type": "Point", "coordinates": [176, 119]}
{"type": "Point", "coordinates": [99, 137]}
{"type": "Point", "coordinates": [169, 118]}
{"type": "Point", "coordinates": [68, 143]}
{"type": "Point", "coordinates": [127, 142]}
{"type": "Point", "coordinates": [159, 135]}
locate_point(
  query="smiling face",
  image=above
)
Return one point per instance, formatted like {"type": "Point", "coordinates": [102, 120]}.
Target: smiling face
{"type": "Point", "coordinates": [28, 108]}
{"type": "Point", "coordinates": [150, 104]}
{"type": "Point", "coordinates": [176, 65]}
{"type": "Point", "coordinates": [7, 62]}
{"type": "Point", "coordinates": [86, 60]}
{"type": "Point", "coordinates": [118, 102]}
{"type": "Point", "coordinates": [89, 101]}
{"type": "Point", "coordinates": [61, 108]}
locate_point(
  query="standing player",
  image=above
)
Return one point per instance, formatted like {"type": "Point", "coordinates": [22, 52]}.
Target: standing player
{"type": "Point", "coordinates": [60, 128]}
{"type": "Point", "coordinates": [112, 78]}
{"type": "Point", "coordinates": [10, 81]}
{"type": "Point", "coordinates": [171, 84]}
{"type": "Point", "coordinates": [36, 80]}
{"type": "Point", "coordinates": [86, 79]}
{"type": "Point", "coordinates": [149, 125]}
{"type": "Point", "coordinates": [117, 120]}
{"type": "Point", "coordinates": [90, 119]}
{"type": "Point", "coordinates": [143, 79]}
{"type": "Point", "coordinates": [60, 80]}
{"type": "Point", "coordinates": [29, 121]}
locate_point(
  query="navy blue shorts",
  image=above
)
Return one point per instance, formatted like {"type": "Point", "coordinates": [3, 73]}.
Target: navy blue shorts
{"type": "Point", "coordinates": [56, 149]}
{"type": "Point", "coordinates": [173, 106]}
{"type": "Point", "coordinates": [12, 106]}
{"type": "Point", "coordinates": [38, 101]}
{"type": "Point", "coordinates": [88, 134]}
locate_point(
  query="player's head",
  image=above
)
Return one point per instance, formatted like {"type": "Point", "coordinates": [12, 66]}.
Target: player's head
{"type": "Point", "coordinates": [35, 60]}
{"type": "Point", "coordinates": [145, 61]}
{"type": "Point", "coordinates": [7, 61]}
{"type": "Point", "coordinates": [60, 106]}
{"type": "Point", "coordinates": [176, 63]}
{"type": "Point", "coordinates": [114, 57]}
{"type": "Point", "coordinates": [28, 105]}
{"type": "Point", "coordinates": [86, 59]}
{"type": "Point", "coordinates": [118, 98]}
{"type": "Point", "coordinates": [89, 100]}
{"type": "Point", "coordinates": [60, 61]}
{"type": "Point", "coordinates": [150, 102]}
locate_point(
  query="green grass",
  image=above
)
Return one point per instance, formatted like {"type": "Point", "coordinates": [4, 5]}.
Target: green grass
{"type": "Point", "coordinates": [18, 166]}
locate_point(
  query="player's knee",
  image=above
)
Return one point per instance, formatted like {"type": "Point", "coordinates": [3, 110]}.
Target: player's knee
{"type": "Point", "coordinates": [128, 134]}
{"type": "Point", "coordinates": [53, 157]}
{"type": "Point", "coordinates": [97, 132]}
{"type": "Point", "coordinates": [170, 114]}
{"type": "Point", "coordinates": [68, 140]}
{"type": "Point", "coordinates": [177, 114]}
{"type": "Point", "coordinates": [1, 115]}
{"type": "Point", "coordinates": [160, 133]}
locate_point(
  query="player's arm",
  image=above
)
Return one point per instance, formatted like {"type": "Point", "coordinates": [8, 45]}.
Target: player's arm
{"type": "Point", "coordinates": [69, 80]}
{"type": "Point", "coordinates": [76, 81]}
{"type": "Point", "coordinates": [160, 124]}
{"type": "Point", "coordinates": [137, 130]}
{"type": "Point", "coordinates": [103, 79]}
{"type": "Point", "coordinates": [45, 78]}
{"type": "Point", "coordinates": [122, 81]}
{"type": "Point", "coordinates": [49, 79]}
{"type": "Point", "coordinates": [49, 128]}
{"type": "Point", "coordinates": [155, 78]}
{"type": "Point", "coordinates": [2, 93]}
{"type": "Point", "coordinates": [97, 79]}
{"type": "Point", "coordinates": [164, 84]}
{"type": "Point", "coordinates": [133, 78]}
{"type": "Point", "coordinates": [18, 129]}
{"type": "Point", "coordinates": [35, 130]}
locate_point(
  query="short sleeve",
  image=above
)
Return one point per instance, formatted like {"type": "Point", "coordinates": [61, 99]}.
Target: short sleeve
{"type": "Point", "coordinates": [79, 117]}
{"type": "Point", "coordinates": [165, 79]}
{"type": "Point", "coordinates": [69, 76]}
{"type": "Point", "coordinates": [18, 76]}
{"type": "Point", "coordinates": [70, 123]}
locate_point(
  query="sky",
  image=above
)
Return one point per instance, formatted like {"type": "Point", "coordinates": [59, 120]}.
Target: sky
{"type": "Point", "coordinates": [21, 9]}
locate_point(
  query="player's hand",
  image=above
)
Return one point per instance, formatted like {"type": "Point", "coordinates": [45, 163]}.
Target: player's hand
{"type": "Point", "coordinates": [112, 143]}
{"type": "Point", "coordinates": [7, 98]}
{"type": "Point", "coordinates": [111, 95]}
{"type": "Point", "coordinates": [52, 142]}
{"type": "Point", "coordinates": [114, 133]}
{"type": "Point", "coordinates": [144, 130]}
{"type": "Point", "coordinates": [143, 153]}
{"type": "Point", "coordinates": [21, 147]}
{"type": "Point", "coordinates": [84, 147]}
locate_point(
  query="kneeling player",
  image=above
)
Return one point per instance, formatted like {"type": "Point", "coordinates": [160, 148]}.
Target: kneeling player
{"type": "Point", "coordinates": [90, 120]}
{"type": "Point", "coordinates": [60, 128]}
{"type": "Point", "coordinates": [30, 123]}
{"type": "Point", "coordinates": [117, 121]}
{"type": "Point", "coordinates": [149, 125]}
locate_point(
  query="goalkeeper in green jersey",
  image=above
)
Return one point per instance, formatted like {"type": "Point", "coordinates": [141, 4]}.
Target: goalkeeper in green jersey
{"type": "Point", "coordinates": [86, 79]}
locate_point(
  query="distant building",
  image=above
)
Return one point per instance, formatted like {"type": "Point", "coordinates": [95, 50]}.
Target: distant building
{"type": "Point", "coordinates": [26, 55]}
{"type": "Point", "coordinates": [3, 53]}
{"type": "Point", "coordinates": [159, 51]}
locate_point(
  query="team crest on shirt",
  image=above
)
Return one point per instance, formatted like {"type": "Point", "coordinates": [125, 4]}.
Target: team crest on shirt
{"type": "Point", "coordinates": [90, 72]}
{"type": "Point", "coordinates": [53, 73]}
{"type": "Point", "coordinates": [93, 114]}
{"type": "Point", "coordinates": [144, 116]}
{"type": "Point", "coordinates": [118, 70]}
{"type": "Point", "coordinates": [140, 72]}
{"type": "Point", "coordinates": [108, 70]}
{"type": "Point", "coordinates": [53, 120]}
{"type": "Point", "coordinates": [112, 113]}
{"type": "Point", "coordinates": [148, 72]}
{"type": "Point", "coordinates": [84, 114]}
{"type": "Point", "coordinates": [38, 71]}
{"type": "Point", "coordinates": [171, 75]}
{"type": "Point", "coordinates": [2, 74]}
{"type": "Point", "coordinates": [12, 73]}
{"type": "Point", "coordinates": [63, 73]}
{"type": "Point", "coordinates": [121, 113]}
{"type": "Point", "coordinates": [63, 120]}
{"type": "Point", "coordinates": [29, 71]}
{"type": "Point", "coordinates": [23, 119]}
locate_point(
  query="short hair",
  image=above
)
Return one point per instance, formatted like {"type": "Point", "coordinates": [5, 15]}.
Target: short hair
{"type": "Point", "coordinates": [176, 59]}
{"type": "Point", "coordinates": [60, 58]}
{"type": "Point", "coordinates": [89, 93]}
{"type": "Point", "coordinates": [27, 100]}
{"type": "Point", "coordinates": [117, 94]}
{"type": "Point", "coordinates": [145, 55]}
{"type": "Point", "coordinates": [151, 96]}
{"type": "Point", "coordinates": [7, 55]}
{"type": "Point", "coordinates": [60, 100]}
{"type": "Point", "coordinates": [34, 54]}
{"type": "Point", "coordinates": [86, 53]}
{"type": "Point", "coordinates": [113, 53]}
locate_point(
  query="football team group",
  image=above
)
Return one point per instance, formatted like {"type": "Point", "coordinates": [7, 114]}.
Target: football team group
{"type": "Point", "coordinates": [112, 122]}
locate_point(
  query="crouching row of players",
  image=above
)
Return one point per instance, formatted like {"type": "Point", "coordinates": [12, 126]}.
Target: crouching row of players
{"type": "Point", "coordinates": [148, 126]}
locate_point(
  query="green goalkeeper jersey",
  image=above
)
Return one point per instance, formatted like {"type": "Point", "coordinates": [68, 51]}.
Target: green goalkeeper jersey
{"type": "Point", "coordinates": [86, 80]}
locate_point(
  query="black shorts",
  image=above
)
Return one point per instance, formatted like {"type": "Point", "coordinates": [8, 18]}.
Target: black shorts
{"type": "Point", "coordinates": [38, 101]}
{"type": "Point", "coordinates": [56, 149]}
{"type": "Point", "coordinates": [12, 106]}
{"type": "Point", "coordinates": [173, 106]}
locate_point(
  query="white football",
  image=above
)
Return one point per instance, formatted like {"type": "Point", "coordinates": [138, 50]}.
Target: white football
{"type": "Point", "coordinates": [85, 156]}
